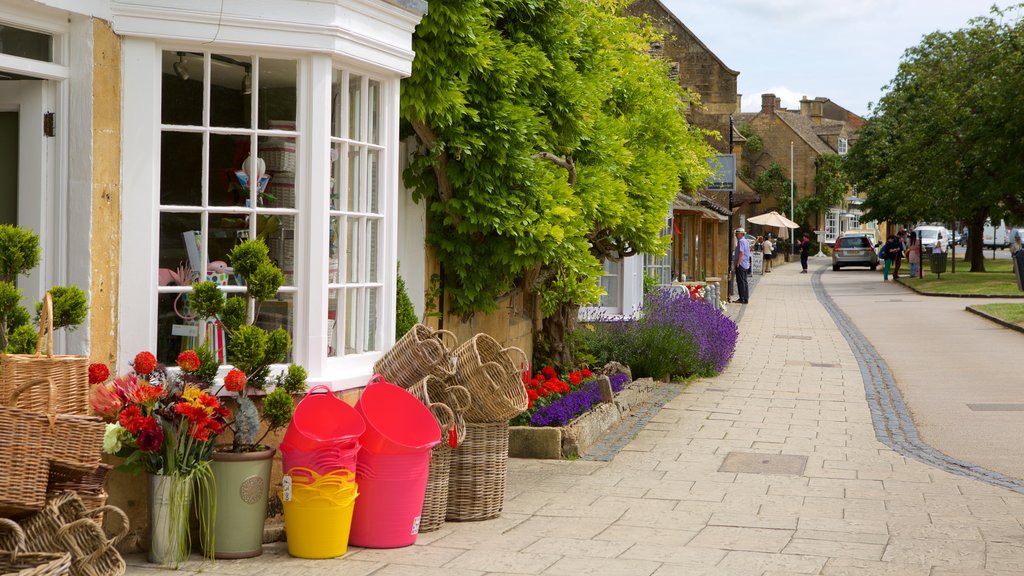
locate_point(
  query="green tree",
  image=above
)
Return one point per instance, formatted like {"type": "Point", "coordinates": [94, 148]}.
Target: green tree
{"type": "Point", "coordinates": [553, 142]}
{"type": "Point", "coordinates": [944, 144]}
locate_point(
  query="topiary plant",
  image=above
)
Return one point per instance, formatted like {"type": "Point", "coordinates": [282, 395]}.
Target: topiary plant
{"type": "Point", "coordinates": [19, 253]}
{"type": "Point", "coordinates": [251, 349]}
{"type": "Point", "coordinates": [405, 315]}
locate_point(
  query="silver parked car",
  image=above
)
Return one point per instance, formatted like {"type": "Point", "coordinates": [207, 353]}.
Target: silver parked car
{"type": "Point", "coordinates": [854, 250]}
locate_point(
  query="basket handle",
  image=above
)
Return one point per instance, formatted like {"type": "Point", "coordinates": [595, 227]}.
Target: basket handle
{"type": "Point", "coordinates": [447, 416]}
{"type": "Point", "coordinates": [51, 401]}
{"type": "Point", "coordinates": [45, 327]}
{"type": "Point", "coordinates": [442, 334]}
{"type": "Point", "coordinates": [459, 397]}
{"type": "Point", "coordinates": [525, 364]}
{"type": "Point", "coordinates": [19, 536]}
{"type": "Point", "coordinates": [87, 557]}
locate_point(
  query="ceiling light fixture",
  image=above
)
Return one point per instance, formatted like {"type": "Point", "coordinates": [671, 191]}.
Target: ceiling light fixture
{"type": "Point", "coordinates": [179, 67]}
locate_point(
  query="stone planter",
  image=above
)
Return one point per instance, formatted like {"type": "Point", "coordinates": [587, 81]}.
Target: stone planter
{"type": "Point", "coordinates": [576, 437]}
{"type": "Point", "coordinates": [242, 487]}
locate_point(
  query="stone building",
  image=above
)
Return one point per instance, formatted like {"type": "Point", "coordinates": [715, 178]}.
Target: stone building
{"type": "Point", "coordinates": [699, 226]}
{"type": "Point", "coordinates": [797, 138]}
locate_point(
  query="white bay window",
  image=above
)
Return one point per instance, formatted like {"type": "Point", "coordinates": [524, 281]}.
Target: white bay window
{"type": "Point", "coordinates": [295, 147]}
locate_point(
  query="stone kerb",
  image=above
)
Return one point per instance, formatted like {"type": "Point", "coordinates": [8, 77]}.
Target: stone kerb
{"type": "Point", "coordinates": [576, 437]}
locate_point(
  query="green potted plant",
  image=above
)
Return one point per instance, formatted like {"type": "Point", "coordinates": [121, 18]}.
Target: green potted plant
{"type": "Point", "coordinates": [242, 468]}
{"type": "Point", "coordinates": [19, 253]}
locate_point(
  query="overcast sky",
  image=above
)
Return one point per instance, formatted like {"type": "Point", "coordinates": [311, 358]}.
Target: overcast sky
{"type": "Point", "coordinates": [845, 50]}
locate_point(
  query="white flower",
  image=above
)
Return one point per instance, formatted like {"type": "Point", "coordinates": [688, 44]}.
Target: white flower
{"type": "Point", "coordinates": [112, 438]}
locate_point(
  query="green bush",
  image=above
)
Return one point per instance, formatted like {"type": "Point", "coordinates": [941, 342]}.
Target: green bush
{"type": "Point", "coordinates": [405, 316]}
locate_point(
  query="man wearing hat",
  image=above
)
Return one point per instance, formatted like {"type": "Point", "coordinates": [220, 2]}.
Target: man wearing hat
{"type": "Point", "coordinates": [741, 263]}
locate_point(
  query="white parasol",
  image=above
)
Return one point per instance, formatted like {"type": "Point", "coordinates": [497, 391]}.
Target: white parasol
{"type": "Point", "coordinates": [773, 218]}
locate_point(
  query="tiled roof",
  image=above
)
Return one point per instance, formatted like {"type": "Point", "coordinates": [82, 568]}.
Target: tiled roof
{"type": "Point", "coordinates": [804, 128]}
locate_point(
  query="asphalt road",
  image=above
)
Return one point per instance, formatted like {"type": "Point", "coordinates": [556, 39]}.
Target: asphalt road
{"type": "Point", "coordinates": [961, 376]}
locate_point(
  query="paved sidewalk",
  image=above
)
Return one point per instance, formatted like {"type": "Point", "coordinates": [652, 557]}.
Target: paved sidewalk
{"type": "Point", "coordinates": [820, 495]}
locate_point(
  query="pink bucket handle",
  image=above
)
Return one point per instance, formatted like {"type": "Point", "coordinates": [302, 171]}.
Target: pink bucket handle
{"type": "Point", "coordinates": [323, 387]}
{"type": "Point", "coordinates": [377, 379]}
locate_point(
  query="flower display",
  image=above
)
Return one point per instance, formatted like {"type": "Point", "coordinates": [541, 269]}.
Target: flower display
{"type": "Point", "coordinates": [158, 423]}
{"type": "Point", "coordinates": [546, 388]}
{"type": "Point", "coordinates": [235, 380]}
{"type": "Point", "coordinates": [98, 373]}
{"type": "Point", "coordinates": [562, 410]}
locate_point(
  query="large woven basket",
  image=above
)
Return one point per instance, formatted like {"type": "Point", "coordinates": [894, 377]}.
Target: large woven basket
{"type": "Point", "coordinates": [493, 378]}
{"type": "Point", "coordinates": [66, 525]}
{"type": "Point", "coordinates": [435, 500]}
{"type": "Point", "coordinates": [432, 389]}
{"type": "Point", "coordinates": [15, 561]}
{"type": "Point", "coordinates": [69, 373]}
{"type": "Point", "coordinates": [420, 352]}
{"type": "Point", "coordinates": [476, 483]}
{"type": "Point", "coordinates": [30, 442]}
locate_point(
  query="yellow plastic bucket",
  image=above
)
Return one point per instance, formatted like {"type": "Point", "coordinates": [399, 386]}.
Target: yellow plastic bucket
{"type": "Point", "coordinates": [318, 516]}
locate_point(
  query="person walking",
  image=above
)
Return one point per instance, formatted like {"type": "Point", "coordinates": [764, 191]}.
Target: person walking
{"type": "Point", "coordinates": [901, 241]}
{"type": "Point", "coordinates": [914, 255]}
{"type": "Point", "coordinates": [768, 248]}
{"type": "Point", "coordinates": [805, 252]}
{"type": "Point", "coordinates": [888, 254]}
{"type": "Point", "coordinates": [741, 264]}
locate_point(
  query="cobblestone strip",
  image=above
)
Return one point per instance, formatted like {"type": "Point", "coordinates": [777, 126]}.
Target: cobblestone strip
{"type": "Point", "coordinates": [616, 438]}
{"type": "Point", "coordinates": [893, 424]}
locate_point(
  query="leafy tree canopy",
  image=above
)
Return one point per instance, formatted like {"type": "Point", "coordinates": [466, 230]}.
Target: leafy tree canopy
{"type": "Point", "coordinates": [944, 143]}
{"type": "Point", "coordinates": [552, 139]}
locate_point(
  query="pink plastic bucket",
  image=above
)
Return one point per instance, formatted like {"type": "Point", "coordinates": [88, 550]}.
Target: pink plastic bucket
{"type": "Point", "coordinates": [323, 460]}
{"type": "Point", "coordinates": [323, 421]}
{"type": "Point", "coordinates": [396, 421]}
{"type": "Point", "coordinates": [392, 488]}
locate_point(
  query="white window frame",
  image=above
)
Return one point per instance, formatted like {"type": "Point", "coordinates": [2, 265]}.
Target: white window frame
{"type": "Point", "coordinates": [141, 214]}
{"type": "Point", "coordinates": [660, 266]}
{"type": "Point", "coordinates": [843, 146]}
{"type": "Point", "coordinates": [831, 225]}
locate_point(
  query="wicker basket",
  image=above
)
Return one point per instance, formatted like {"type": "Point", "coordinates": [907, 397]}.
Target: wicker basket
{"type": "Point", "coordinates": [476, 485]}
{"type": "Point", "coordinates": [14, 561]}
{"type": "Point", "coordinates": [65, 525]}
{"type": "Point", "coordinates": [69, 373]}
{"type": "Point", "coordinates": [30, 442]}
{"type": "Point", "coordinates": [493, 379]}
{"type": "Point", "coordinates": [435, 500]}
{"type": "Point", "coordinates": [432, 389]}
{"type": "Point", "coordinates": [420, 352]}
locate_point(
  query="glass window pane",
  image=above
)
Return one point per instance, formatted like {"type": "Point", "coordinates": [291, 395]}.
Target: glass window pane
{"type": "Point", "coordinates": [339, 192]}
{"type": "Point", "coordinates": [373, 172]}
{"type": "Point", "coordinates": [373, 244]}
{"type": "Point", "coordinates": [278, 155]}
{"type": "Point", "coordinates": [278, 82]}
{"type": "Point", "coordinates": [230, 174]}
{"type": "Point", "coordinates": [351, 326]}
{"type": "Point", "coordinates": [353, 250]}
{"type": "Point", "coordinates": [278, 313]}
{"type": "Point", "coordinates": [354, 203]}
{"type": "Point", "coordinates": [230, 91]}
{"type": "Point", "coordinates": [355, 95]}
{"type": "Point", "coordinates": [175, 249]}
{"type": "Point", "coordinates": [374, 111]}
{"type": "Point", "coordinates": [334, 247]}
{"type": "Point", "coordinates": [26, 43]}
{"type": "Point", "coordinates": [335, 316]}
{"type": "Point", "coordinates": [181, 169]}
{"type": "Point", "coordinates": [225, 231]}
{"type": "Point", "coordinates": [337, 113]}
{"type": "Point", "coordinates": [278, 232]}
{"type": "Point", "coordinates": [182, 89]}
{"type": "Point", "coordinates": [371, 319]}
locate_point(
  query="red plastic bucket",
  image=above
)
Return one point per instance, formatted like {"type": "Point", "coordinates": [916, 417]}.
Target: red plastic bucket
{"type": "Point", "coordinates": [322, 421]}
{"type": "Point", "coordinates": [392, 488]}
{"type": "Point", "coordinates": [396, 421]}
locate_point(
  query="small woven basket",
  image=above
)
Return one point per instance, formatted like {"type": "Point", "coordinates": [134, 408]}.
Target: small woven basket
{"type": "Point", "coordinates": [493, 379]}
{"type": "Point", "coordinates": [69, 373]}
{"type": "Point", "coordinates": [420, 352]}
{"type": "Point", "coordinates": [66, 526]}
{"type": "Point", "coordinates": [30, 442]}
{"type": "Point", "coordinates": [15, 561]}
{"type": "Point", "coordinates": [476, 483]}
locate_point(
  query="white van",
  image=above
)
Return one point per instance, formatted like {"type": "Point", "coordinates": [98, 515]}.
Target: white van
{"type": "Point", "coordinates": [995, 237]}
{"type": "Point", "coordinates": [929, 235]}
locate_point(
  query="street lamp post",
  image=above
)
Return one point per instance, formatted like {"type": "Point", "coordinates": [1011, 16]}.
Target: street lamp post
{"type": "Point", "coordinates": [792, 235]}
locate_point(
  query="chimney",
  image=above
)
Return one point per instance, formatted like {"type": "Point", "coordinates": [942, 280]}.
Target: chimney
{"type": "Point", "coordinates": [769, 103]}
{"type": "Point", "coordinates": [805, 107]}
{"type": "Point", "coordinates": [817, 109]}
